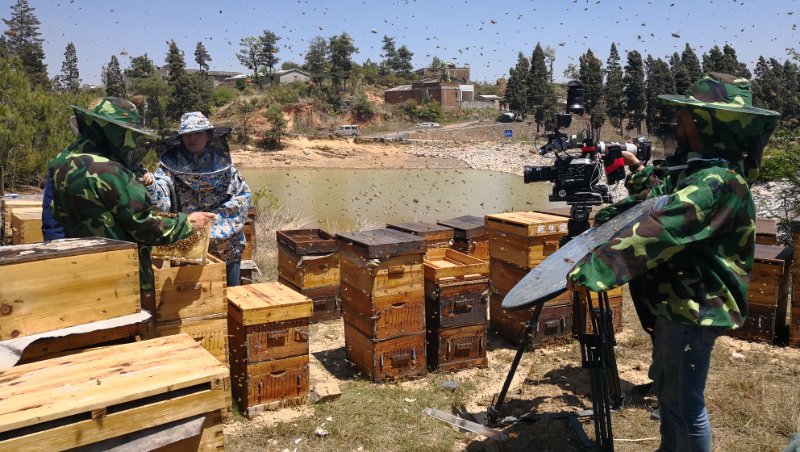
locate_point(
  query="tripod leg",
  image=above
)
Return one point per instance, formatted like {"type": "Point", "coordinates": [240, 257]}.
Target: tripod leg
{"type": "Point", "coordinates": [494, 410]}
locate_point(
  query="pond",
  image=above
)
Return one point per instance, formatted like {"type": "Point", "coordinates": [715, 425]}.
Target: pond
{"type": "Point", "coordinates": [338, 199]}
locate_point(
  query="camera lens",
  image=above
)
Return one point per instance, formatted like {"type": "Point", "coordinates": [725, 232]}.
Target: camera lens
{"type": "Point", "coordinates": [536, 173]}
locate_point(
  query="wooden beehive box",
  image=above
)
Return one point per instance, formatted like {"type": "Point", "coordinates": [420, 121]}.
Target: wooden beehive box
{"type": "Point", "coordinates": [761, 325]}
{"type": "Point", "coordinates": [26, 225]}
{"type": "Point", "coordinates": [99, 396]}
{"type": "Point", "coordinates": [469, 235]}
{"type": "Point", "coordinates": [389, 359]}
{"type": "Point", "coordinates": [524, 239]}
{"type": "Point", "coordinates": [249, 230]}
{"type": "Point", "coordinates": [555, 322]}
{"type": "Point", "coordinates": [270, 385]}
{"type": "Point", "coordinates": [504, 276]}
{"type": "Point", "coordinates": [766, 232]}
{"type": "Point", "coordinates": [770, 279]}
{"type": "Point", "coordinates": [794, 327]}
{"type": "Point", "coordinates": [459, 347]}
{"type": "Point", "coordinates": [85, 280]}
{"type": "Point", "coordinates": [446, 265]}
{"type": "Point", "coordinates": [381, 262]}
{"type": "Point", "coordinates": [7, 205]}
{"type": "Point", "coordinates": [435, 235]}
{"type": "Point", "coordinates": [267, 321]}
{"type": "Point", "coordinates": [184, 291]}
{"type": "Point", "coordinates": [326, 299]}
{"type": "Point", "coordinates": [210, 331]}
{"type": "Point", "coordinates": [308, 258]}
{"type": "Point", "coordinates": [384, 316]}
{"type": "Point", "coordinates": [456, 303]}
{"type": "Point", "coordinates": [614, 302]}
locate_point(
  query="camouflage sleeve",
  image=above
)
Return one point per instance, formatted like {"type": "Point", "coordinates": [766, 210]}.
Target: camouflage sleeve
{"type": "Point", "coordinates": [127, 199]}
{"type": "Point", "coordinates": [638, 185]}
{"type": "Point", "coordinates": [696, 212]}
{"type": "Point", "coordinates": [159, 191]}
{"type": "Point", "coordinates": [232, 215]}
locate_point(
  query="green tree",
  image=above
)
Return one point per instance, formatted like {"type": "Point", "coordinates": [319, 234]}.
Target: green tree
{"type": "Point", "coordinates": [692, 64]}
{"type": "Point", "coordinates": [269, 49]}
{"type": "Point", "coordinates": [70, 77]}
{"type": "Point", "coordinates": [550, 59]}
{"type": "Point", "coordinates": [141, 67]}
{"type": "Point", "coordinates": [404, 65]}
{"type": "Point", "coordinates": [183, 96]}
{"type": "Point", "coordinates": [250, 56]}
{"type": "Point", "coordinates": [659, 81]}
{"type": "Point", "coordinates": [274, 116]}
{"type": "Point", "coordinates": [681, 74]}
{"type": "Point", "coordinates": [146, 82]}
{"type": "Point", "coordinates": [317, 61]}
{"type": "Point", "coordinates": [591, 75]}
{"type": "Point", "coordinates": [201, 56]}
{"type": "Point", "coordinates": [23, 41]}
{"type": "Point", "coordinates": [615, 89]}
{"type": "Point", "coordinates": [362, 109]}
{"type": "Point", "coordinates": [730, 63]}
{"type": "Point", "coordinates": [371, 72]}
{"type": "Point", "coordinates": [287, 65]}
{"type": "Point", "coordinates": [440, 68]}
{"type": "Point", "coordinates": [112, 78]}
{"type": "Point", "coordinates": [342, 49]}
{"type": "Point", "coordinates": [712, 61]}
{"type": "Point", "coordinates": [389, 54]}
{"type": "Point", "coordinates": [635, 96]}
{"type": "Point", "coordinates": [517, 86]}
{"type": "Point", "coordinates": [541, 97]}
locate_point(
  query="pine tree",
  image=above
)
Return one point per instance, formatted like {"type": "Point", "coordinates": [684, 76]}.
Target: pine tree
{"type": "Point", "coordinates": [250, 56]}
{"type": "Point", "coordinates": [389, 54]}
{"type": "Point", "coordinates": [23, 42]}
{"type": "Point", "coordinates": [268, 43]}
{"type": "Point", "coordinates": [692, 64]}
{"type": "Point", "coordinates": [591, 75]}
{"type": "Point", "coordinates": [146, 82]}
{"type": "Point", "coordinates": [112, 78]}
{"type": "Point", "coordinates": [141, 67]}
{"type": "Point", "coordinates": [70, 78]}
{"type": "Point", "coordinates": [730, 63]}
{"type": "Point", "coordinates": [404, 65]}
{"type": "Point", "coordinates": [712, 61]}
{"type": "Point", "coordinates": [183, 96]}
{"type": "Point", "coordinates": [615, 89]}
{"type": "Point", "coordinates": [517, 86]}
{"type": "Point", "coordinates": [342, 49]}
{"type": "Point", "coordinates": [202, 57]}
{"type": "Point", "coordinates": [680, 73]}
{"type": "Point", "coordinates": [541, 97]}
{"type": "Point", "coordinates": [317, 61]}
{"type": "Point", "coordinates": [659, 81]}
{"type": "Point", "coordinates": [635, 97]}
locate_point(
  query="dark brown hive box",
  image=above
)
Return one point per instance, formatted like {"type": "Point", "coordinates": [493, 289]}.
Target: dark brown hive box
{"type": "Point", "coordinates": [458, 347]}
{"type": "Point", "coordinates": [436, 236]}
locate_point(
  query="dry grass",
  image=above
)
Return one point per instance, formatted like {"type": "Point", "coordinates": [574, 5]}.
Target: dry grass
{"type": "Point", "coordinates": [269, 221]}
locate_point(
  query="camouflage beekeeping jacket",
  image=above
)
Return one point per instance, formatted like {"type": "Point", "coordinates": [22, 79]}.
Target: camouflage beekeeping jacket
{"type": "Point", "coordinates": [692, 259]}
{"type": "Point", "coordinates": [96, 194]}
{"type": "Point", "coordinates": [209, 182]}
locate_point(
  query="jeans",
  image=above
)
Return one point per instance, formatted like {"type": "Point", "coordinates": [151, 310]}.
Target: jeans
{"type": "Point", "coordinates": [232, 270]}
{"type": "Point", "coordinates": [681, 357]}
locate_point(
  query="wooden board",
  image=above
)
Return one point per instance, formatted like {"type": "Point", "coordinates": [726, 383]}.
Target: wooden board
{"type": "Point", "coordinates": [326, 299]}
{"type": "Point", "coordinates": [477, 247]}
{"type": "Point", "coordinates": [523, 251]}
{"type": "Point", "coordinates": [794, 327]}
{"type": "Point", "coordinates": [527, 224]}
{"type": "Point", "coordinates": [270, 302]}
{"type": "Point", "coordinates": [461, 347]}
{"type": "Point", "coordinates": [382, 317]}
{"type": "Point", "coordinates": [249, 230]}
{"type": "Point", "coordinates": [268, 341]}
{"type": "Point", "coordinates": [307, 241]}
{"type": "Point", "coordinates": [85, 280]}
{"type": "Point", "coordinates": [308, 271]}
{"type": "Point", "coordinates": [379, 278]}
{"type": "Point", "coordinates": [77, 400]}
{"type": "Point", "coordinates": [444, 264]}
{"type": "Point", "coordinates": [189, 290]}
{"type": "Point", "coordinates": [390, 359]}
{"type": "Point", "coordinates": [466, 227]}
{"type": "Point", "coordinates": [26, 225]}
{"type": "Point", "coordinates": [766, 232]}
{"type": "Point", "coordinates": [456, 303]}
{"type": "Point", "coordinates": [211, 332]}
{"type": "Point", "coordinates": [436, 236]}
{"type": "Point", "coordinates": [269, 381]}
{"type": "Point", "coordinates": [380, 244]}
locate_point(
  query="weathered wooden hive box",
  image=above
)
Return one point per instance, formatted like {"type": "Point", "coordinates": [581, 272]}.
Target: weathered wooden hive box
{"type": "Point", "coordinates": [6, 206]}
{"type": "Point", "coordinates": [768, 295]}
{"type": "Point", "coordinates": [26, 225]}
{"type": "Point", "coordinates": [435, 235]}
{"type": "Point", "coordinates": [524, 239]}
{"type": "Point", "coordinates": [308, 262]}
{"type": "Point", "coordinates": [469, 235]}
{"type": "Point", "coordinates": [249, 230]}
{"type": "Point", "coordinates": [766, 232]}
{"type": "Point", "coordinates": [794, 323]}
{"type": "Point", "coordinates": [117, 396]}
{"type": "Point", "coordinates": [62, 283]}
{"type": "Point", "coordinates": [383, 302]}
{"type": "Point", "coordinates": [268, 324]}
{"type": "Point", "coordinates": [190, 298]}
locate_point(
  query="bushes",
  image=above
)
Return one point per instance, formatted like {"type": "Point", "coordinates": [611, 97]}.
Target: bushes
{"type": "Point", "coordinates": [223, 95]}
{"type": "Point", "coordinates": [429, 111]}
{"type": "Point", "coordinates": [361, 108]}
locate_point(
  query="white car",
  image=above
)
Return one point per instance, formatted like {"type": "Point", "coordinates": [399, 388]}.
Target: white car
{"type": "Point", "coordinates": [428, 124]}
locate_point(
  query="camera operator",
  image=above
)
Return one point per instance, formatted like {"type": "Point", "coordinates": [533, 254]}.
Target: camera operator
{"type": "Point", "coordinates": [690, 262]}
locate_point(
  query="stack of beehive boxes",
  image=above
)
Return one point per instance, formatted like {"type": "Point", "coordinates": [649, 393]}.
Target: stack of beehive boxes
{"type": "Point", "coordinates": [248, 266]}
{"type": "Point", "coordinates": [308, 262]}
{"type": "Point", "coordinates": [469, 235]}
{"type": "Point", "coordinates": [27, 224]}
{"type": "Point", "coordinates": [436, 236]}
{"type": "Point", "coordinates": [268, 323]}
{"type": "Point", "coordinates": [190, 298]}
{"type": "Point", "coordinates": [518, 242]}
{"type": "Point", "coordinates": [383, 302]}
{"type": "Point", "coordinates": [456, 298]}
{"type": "Point", "coordinates": [768, 294]}
{"type": "Point", "coordinates": [794, 325]}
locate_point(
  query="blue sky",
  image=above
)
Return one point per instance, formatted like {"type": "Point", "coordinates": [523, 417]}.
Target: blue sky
{"type": "Point", "coordinates": [485, 35]}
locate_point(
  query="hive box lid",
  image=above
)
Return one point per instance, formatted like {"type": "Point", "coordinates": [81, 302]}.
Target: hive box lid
{"type": "Point", "coordinates": [774, 254]}
{"type": "Point", "coordinates": [466, 227]}
{"type": "Point", "coordinates": [429, 231]}
{"type": "Point", "coordinates": [527, 224]}
{"type": "Point", "coordinates": [307, 241]}
{"type": "Point", "coordinates": [382, 243]}
{"type": "Point", "coordinates": [96, 379]}
{"type": "Point", "coordinates": [17, 254]}
{"type": "Point", "coordinates": [256, 304]}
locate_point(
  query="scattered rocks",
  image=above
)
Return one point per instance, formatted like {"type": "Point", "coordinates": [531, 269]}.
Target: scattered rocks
{"type": "Point", "coordinates": [450, 385]}
{"type": "Point", "coordinates": [325, 392]}
{"type": "Point", "coordinates": [321, 432]}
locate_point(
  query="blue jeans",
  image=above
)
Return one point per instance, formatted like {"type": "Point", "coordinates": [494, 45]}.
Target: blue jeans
{"type": "Point", "coordinates": [232, 270]}
{"type": "Point", "coordinates": [681, 357]}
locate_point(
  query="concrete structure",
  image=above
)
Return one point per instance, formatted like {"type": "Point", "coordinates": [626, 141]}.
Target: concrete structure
{"type": "Point", "coordinates": [449, 95]}
{"type": "Point", "coordinates": [456, 74]}
{"type": "Point", "coordinates": [291, 75]}
{"type": "Point", "coordinates": [483, 102]}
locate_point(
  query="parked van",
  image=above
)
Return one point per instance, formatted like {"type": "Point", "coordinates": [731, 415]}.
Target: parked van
{"type": "Point", "coordinates": [347, 130]}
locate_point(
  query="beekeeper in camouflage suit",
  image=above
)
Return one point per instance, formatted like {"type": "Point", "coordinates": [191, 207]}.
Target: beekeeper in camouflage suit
{"type": "Point", "coordinates": [96, 187]}
{"type": "Point", "coordinates": [692, 259]}
{"type": "Point", "coordinates": [196, 174]}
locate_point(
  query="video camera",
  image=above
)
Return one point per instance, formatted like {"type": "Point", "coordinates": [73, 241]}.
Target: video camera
{"type": "Point", "coordinates": [578, 178]}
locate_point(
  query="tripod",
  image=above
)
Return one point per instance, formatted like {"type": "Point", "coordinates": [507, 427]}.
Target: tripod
{"type": "Point", "coordinates": [597, 352]}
